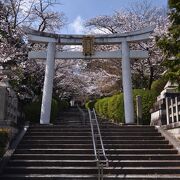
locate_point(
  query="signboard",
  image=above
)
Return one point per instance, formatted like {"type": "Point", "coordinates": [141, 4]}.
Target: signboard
{"type": "Point", "coordinates": [88, 45]}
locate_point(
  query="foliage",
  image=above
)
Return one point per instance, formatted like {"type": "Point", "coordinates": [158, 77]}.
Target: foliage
{"type": "Point", "coordinates": [101, 107]}
{"type": "Point", "coordinates": [113, 107]}
{"type": "Point", "coordinates": [170, 44]}
{"type": "Point", "coordinates": [26, 77]}
{"type": "Point", "coordinates": [140, 80]}
{"type": "Point", "coordinates": [28, 82]}
{"type": "Point", "coordinates": [97, 106]}
{"type": "Point", "coordinates": [32, 110]}
{"type": "Point", "coordinates": [116, 108]}
{"type": "Point", "coordinates": [63, 105]}
{"type": "Point", "coordinates": [158, 85]}
{"type": "Point", "coordinates": [90, 104]}
{"type": "Point", "coordinates": [3, 141]}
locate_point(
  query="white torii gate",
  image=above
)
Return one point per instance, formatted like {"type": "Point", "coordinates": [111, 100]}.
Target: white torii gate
{"type": "Point", "coordinates": [124, 53]}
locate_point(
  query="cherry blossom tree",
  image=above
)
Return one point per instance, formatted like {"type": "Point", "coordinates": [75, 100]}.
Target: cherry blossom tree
{"type": "Point", "coordinates": [25, 75]}
{"type": "Point", "coordinates": [140, 15]}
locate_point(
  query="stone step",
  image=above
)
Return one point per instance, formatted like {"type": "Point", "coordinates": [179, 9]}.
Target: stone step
{"type": "Point", "coordinates": [54, 151]}
{"type": "Point", "coordinates": [90, 177]}
{"type": "Point", "coordinates": [81, 156]}
{"type": "Point", "coordinates": [89, 133]}
{"type": "Point", "coordinates": [55, 146]}
{"type": "Point", "coordinates": [65, 151]}
{"type": "Point", "coordinates": [126, 127]}
{"type": "Point", "coordinates": [91, 151]}
{"type": "Point", "coordinates": [76, 163]}
{"type": "Point", "coordinates": [103, 126]}
{"type": "Point", "coordinates": [38, 130]}
{"type": "Point", "coordinates": [90, 138]}
{"type": "Point", "coordinates": [59, 130]}
{"type": "Point", "coordinates": [70, 122]}
{"type": "Point", "coordinates": [130, 134]}
{"type": "Point", "coordinates": [86, 163]}
{"type": "Point", "coordinates": [91, 157]}
{"type": "Point", "coordinates": [87, 125]}
{"type": "Point", "coordinates": [44, 142]}
{"type": "Point", "coordinates": [142, 177]}
{"type": "Point", "coordinates": [144, 163]}
{"type": "Point", "coordinates": [57, 137]}
{"type": "Point", "coordinates": [90, 146]}
{"type": "Point", "coordinates": [91, 170]}
{"type": "Point", "coordinates": [59, 134]}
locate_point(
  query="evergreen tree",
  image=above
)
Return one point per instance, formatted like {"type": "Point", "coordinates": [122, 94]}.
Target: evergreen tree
{"type": "Point", "coordinates": [170, 43]}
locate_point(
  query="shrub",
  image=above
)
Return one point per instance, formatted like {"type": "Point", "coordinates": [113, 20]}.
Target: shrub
{"type": "Point", "coordinates": [158, 85]}
{"type": "Point", "coordinates": [97, 106]}
{"type": "Point", "coordinates": [63, 105]}
{"type": "Point", "coordinates": [102, 107]}
{"type": "Point", "coordinates": [3, 141]}
{"type": "Point", "coordinates": [90, 104]}
{"type": "Point", "coordinates": [54, 110]}
{"type": "Point", "coordinates": [116, 108]}
{"type": "Point", "coordinates": [113, 107]}
{"type": "Point", "coordinates": [32, 111]}
{"type": "Point", "coordinates": [110, 107]}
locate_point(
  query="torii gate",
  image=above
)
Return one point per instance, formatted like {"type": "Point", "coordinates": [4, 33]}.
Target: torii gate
{"type": "Point", "coordinates": [124, 53]}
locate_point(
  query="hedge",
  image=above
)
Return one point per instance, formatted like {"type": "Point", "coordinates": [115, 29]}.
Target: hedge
{"type": "Point", "coordinates": [101, 107]}
{"type": "Point", "coordinates": [3, 141]}
{"type": "Point", "coordinates": [32, 110]}
{"type": "Point", "coordinates": [116, 108]}
{"type": "Point", "coordinates": [113, 107]}
{"type": "Point", "coordinates": [90, 104]}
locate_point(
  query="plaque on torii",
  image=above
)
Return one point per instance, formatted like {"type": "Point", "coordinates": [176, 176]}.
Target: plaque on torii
{"type": "Point", "coordinates": [88, 43]}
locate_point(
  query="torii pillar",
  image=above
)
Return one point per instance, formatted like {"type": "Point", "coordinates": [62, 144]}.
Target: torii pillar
{"type": "Point", "coordinates": [48, 84]}
{"type": "Point", "coordinates": [127, 84]}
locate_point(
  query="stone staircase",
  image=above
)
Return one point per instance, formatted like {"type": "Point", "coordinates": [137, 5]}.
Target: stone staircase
{"type": "Point", "coordinates": [65, 151]}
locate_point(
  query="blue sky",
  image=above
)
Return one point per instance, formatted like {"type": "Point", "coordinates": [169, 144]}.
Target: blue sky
{"type": "Point", "coordinates": [77, 11]}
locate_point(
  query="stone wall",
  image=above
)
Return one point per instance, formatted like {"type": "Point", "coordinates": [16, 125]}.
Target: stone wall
{"type": "Point", "coordinates": [8, 105]}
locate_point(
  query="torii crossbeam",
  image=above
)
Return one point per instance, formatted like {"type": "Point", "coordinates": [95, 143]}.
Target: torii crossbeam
{"type": "Point", "coordinates": [124, 53]}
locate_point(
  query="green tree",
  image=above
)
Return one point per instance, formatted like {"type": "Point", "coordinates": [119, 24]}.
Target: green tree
{"type": "Point", "coordinates": [170, 43]}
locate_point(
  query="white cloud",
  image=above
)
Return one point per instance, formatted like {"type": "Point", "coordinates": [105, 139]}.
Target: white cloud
{"type": "Point", "coordinates": [98, 31]}
{"type": "Point", "coordinates": [77, 26]}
